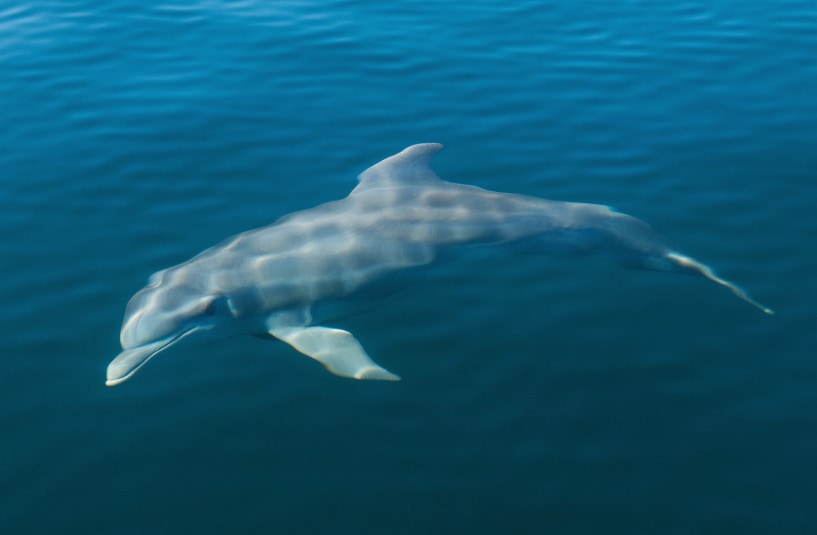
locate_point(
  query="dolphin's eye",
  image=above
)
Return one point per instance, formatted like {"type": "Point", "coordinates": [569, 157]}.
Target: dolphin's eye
{"type": "Point", "coordinates": [211, 309]}
{"type": "Point", "coordinates": [214, 306]}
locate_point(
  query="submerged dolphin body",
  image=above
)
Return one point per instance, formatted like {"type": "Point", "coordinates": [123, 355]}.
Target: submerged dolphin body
{"type": "Point", "coordinates": [401, 215]}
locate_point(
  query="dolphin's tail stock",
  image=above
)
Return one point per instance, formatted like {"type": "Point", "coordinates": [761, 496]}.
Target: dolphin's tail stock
{"type": "Point", "coordinates": [702, 269]}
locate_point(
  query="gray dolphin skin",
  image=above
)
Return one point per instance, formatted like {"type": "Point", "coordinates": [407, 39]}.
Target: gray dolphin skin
{"type": "Point", "coordinates": [270, 281]}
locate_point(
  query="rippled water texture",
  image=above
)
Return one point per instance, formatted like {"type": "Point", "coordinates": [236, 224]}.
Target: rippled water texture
{"type": "Point", "coordinates": [539, 395]}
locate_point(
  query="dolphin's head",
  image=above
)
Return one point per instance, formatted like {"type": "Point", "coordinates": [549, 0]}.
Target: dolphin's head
{"type": "Point", "coordinates": [160, 315]}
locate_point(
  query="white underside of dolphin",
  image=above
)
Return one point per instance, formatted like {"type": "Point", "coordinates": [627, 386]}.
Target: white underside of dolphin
{"type": "Point", "coordinates": [400, 216]}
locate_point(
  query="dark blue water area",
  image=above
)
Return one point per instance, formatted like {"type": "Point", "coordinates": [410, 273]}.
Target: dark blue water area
{"type": "Point", "coordinates": [539, 395]}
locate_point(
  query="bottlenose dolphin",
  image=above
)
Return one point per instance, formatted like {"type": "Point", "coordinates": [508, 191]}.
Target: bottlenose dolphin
{"type": "Point", "coordinates": [401, 215]}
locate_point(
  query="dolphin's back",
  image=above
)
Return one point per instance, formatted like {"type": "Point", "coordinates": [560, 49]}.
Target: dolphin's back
{"type": "Point", "coordinates": [327, 251]}
{"type": "Point", "coordinates": [401, 215]}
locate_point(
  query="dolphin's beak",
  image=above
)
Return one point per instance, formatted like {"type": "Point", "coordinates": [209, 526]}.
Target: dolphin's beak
{"type": "Point", "coordinates": [129, 361]}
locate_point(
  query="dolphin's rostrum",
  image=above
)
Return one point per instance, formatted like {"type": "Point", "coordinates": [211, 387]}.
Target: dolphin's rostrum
{"type": "Point", "coordinates": [401, 215]}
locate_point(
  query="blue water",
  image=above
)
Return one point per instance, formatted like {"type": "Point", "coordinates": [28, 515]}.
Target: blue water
{"type": "Point", "coordinates": [539, 395]}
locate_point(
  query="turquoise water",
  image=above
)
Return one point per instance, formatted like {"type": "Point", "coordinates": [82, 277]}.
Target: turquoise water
{"type": "Point", "coordinates": [539, 395]}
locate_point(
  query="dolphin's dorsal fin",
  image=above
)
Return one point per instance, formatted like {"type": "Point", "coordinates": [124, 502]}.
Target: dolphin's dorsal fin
{"type": "Point", "coordinates": [411, 166]}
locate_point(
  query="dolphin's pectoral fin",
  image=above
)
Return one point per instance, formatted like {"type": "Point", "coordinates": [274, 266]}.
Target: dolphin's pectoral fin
{"type": "Point", "coordinates": [337, 350]}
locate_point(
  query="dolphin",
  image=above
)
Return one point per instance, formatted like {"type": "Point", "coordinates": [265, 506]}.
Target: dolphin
{"type": "Point", "coordinates": [401, 216]}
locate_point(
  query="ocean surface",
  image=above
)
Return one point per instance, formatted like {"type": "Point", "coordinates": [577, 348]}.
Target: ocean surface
{"type": "Point", "coordinates": [539, 394]}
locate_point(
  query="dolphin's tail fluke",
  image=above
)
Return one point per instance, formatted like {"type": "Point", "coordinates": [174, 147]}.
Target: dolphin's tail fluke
{"type": "Point", "coordinates": [692, 264]}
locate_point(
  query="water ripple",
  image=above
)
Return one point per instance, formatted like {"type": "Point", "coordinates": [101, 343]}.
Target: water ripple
{"type": "Point", "coordinates": [549, 392]}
